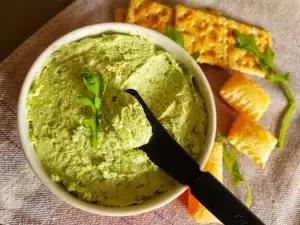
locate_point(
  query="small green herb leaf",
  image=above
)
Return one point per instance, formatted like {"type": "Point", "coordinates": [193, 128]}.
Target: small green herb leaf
{"type": "Point", "coordinates": [195, 55]}
{"type": "Point", "coordinates": [232, 165]}
{"type": "Point", "coordinates": [221, 137]}
{"type": "Point", "coordinates": [266, 63]}
{"type": "Point", "coordinates": [263, 66]}
{"type": "Point", "coordinates": [91, 82]}
{"type": "Point", "coordinates": [173, 34]}
{"type": "Point", "coordinates": [238, 178]}
{"type": "Point", "coordinates": [96, 85]}
{"type": "Point", "coordinates": [87, 102]}
{"type": "Point", "coordinates": [278, 78]}
{"type": "Point", "coordinates": [247, 43]}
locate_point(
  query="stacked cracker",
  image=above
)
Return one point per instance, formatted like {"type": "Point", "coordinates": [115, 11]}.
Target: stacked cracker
{"type": "Point", "coordinates": [212, 35]}
{"type": "Point", "coordinates": [146, 13]}
{"type": "Point", "coordinates": [204, 31]}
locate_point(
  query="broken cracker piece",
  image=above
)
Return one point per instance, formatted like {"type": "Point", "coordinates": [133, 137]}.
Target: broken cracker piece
{"type": "Point", "coordinates": [245, 96]}
{"type": "Point", "coordinates": [251, 139]}
{"type": "Point", "coordinates": [214, 165]}
{"type": "Point", "coordinates": [120, 15]}
{"type": "Point", "coordinates": [204, 33]}
{"type": "Point", "coordinates": [239, 59]}
{"type": "Point", "coordinates": [149, 14]}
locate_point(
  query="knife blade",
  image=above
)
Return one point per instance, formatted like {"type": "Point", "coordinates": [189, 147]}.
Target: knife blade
{"type": "Point", "coordinates": [167, 154]}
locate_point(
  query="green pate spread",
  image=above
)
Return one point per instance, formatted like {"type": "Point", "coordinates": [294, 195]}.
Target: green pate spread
{"type": "Point", "coordinates": [117, 173]}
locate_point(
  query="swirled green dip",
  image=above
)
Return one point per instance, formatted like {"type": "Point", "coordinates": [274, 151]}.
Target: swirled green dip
{"type": "Point", "coordinates": [116, 173]}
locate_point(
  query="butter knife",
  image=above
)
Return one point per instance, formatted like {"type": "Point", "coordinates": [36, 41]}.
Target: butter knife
{"type": "Point", "coordinates": [167, 154]}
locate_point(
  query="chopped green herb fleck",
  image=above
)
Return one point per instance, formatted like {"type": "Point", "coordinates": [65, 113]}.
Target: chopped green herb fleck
{"type": "Point", "coordinates": [195, 55]}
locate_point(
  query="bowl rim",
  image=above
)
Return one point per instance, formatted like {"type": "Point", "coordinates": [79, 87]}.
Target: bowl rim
{"type": "Point", "coordinates": [97, 29]}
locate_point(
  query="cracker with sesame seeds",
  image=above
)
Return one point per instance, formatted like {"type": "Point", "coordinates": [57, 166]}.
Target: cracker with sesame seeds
{"type": "Point", "coordinates": [245, 96]}
{"type": "Point", "coordinates": [120, 15]}
{"type": "Point", "coordinates": [239, 59]}
{"type": "Point", "coordinates": [149, 14]}
{"type": "Point", "coordinates": [251, 139]}
{"type": "Point", "coordinates": [204, 33]}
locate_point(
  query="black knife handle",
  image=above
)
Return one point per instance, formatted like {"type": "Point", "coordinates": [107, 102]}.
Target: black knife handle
{"type": "Point", "coordinates": [221, 202]}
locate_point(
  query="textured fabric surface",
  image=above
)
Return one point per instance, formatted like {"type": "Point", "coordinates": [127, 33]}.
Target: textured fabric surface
{"type": "Point", "coordinates": [276, 195]}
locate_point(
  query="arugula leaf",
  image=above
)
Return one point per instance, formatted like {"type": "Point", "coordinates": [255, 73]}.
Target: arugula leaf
{"type": "Point", "coordinates": [232, 165]}
{"type": "Point", "coordinates": [87, 102]}
{"type": "Point", "coordinates": [176, 36]}
{"type": "Point", "coordinates": [173, 34]}
{"type": "Point", "coordinates": [221, 137]}
{"type": "Point", "coordinates": [195, 55]}
{"type": "Point", "coordinates": [247, 43]}
{"type": "Point", "coordinates": [266, 63]}
{"type": "Point", "coordinates": [91, 82]}
{"type": "Point", "coordinates": [278, 78]}
{"type": "Point", "coordinates": [96, 85]}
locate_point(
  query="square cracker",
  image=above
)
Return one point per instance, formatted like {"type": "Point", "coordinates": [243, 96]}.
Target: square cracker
{"type": "Point", "coordinates": [239, 59]}
{"type": "Point", "coordinates": [204, 33]}
{"type": "Point", "coordinates": [245, 96]}
{"type": "Point", "coordinates": [149, 14]}
{"type": "Point", "coordinates": [214, 165]}
{"type": "Point", "coordinates": [251, 139]}
{"type": "Point", "coordinates": [213, 36]}
{"type": "Point", "coordinates": [120, 15]}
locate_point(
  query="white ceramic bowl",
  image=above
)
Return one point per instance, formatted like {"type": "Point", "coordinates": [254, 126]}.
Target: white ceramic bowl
{"type": "Point", "coordinates": [158, 39]}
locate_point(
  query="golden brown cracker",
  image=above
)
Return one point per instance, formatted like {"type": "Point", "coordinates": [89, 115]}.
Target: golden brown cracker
{"type": "Point", "coordinates": [214, 12]}
{"type": "Point", "coordinates": [120, 15]}
{"type": "Point", "coordinates": [204, 33]}
{"type": "Point", "coordinates": [251, 139]}
{"type": "Point", "coordinates": [239, 59]}
{"type": "Point", "coordinates": [212, 35]}
{"type": "Point", "coordinates": [149, 14]}
{"type": "Point", "coordinates": [245, 96]}
{"type": "Point", "coordinates": [214, 165]}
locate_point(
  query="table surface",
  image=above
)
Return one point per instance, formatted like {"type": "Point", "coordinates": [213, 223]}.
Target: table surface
{"type": "Point", "coordinates": [14, 13]}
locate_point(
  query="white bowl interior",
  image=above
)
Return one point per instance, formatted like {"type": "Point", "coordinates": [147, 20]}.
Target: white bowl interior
{"type": "Point", "coordinates": [158, 39]}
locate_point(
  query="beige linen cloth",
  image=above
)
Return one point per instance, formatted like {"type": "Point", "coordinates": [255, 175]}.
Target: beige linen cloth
{"type": "Point", "coordinates": [276, 189]}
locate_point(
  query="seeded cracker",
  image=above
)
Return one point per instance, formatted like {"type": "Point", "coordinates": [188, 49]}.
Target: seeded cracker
{"type": "Point", "coordinates": [150, 14]}
{"type": "Point", "coordinates": [251, 139]}
{"type": "Point", "coordinates": [239, 59]}
{"type": "Point", "coordinates": [203, 32]}
{"type": "Point", "coordinates": [245, 96]}
{"type": "Point", "coordinates": [120, 15]}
